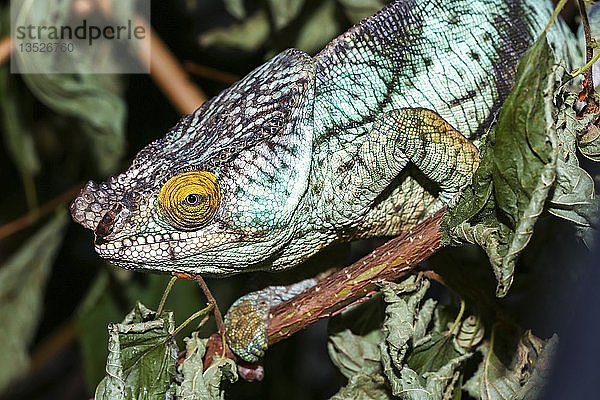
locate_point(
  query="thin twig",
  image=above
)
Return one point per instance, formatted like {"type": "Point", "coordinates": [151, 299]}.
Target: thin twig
{"type": "Point", "coordinates": [211, 300]}
{"type": "Point", "coordinates": [163, 299]}
{"type": "Point", "coordinates": [154, 55]}
{"type": "Point", "coordinates": [554, 16]}
{"type": "Point", "coordinates": [52, 345]}
{"type": "Point", "coordinates": [589, 50]}
{"type": "Point", "coordinates": [34, 215]}
{"type": "Point", "coordinates": [193, 317]}
{"type": "Point", "coordinates": [210, 73]}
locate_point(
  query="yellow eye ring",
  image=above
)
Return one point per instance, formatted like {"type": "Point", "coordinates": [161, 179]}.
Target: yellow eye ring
{"type": "Point", "coordinates": [190, 199]}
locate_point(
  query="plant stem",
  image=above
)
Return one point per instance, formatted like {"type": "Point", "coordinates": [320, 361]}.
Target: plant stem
{"type": "Point", "coordinates": [163, 299]}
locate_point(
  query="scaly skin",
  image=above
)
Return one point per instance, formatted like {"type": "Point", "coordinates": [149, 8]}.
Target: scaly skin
{"type": "Point", "coordinates": [305, 151]}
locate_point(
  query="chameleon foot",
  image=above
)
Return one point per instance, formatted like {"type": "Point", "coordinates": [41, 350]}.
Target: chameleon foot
{"type": "Point", "coordinates": [246, 322]}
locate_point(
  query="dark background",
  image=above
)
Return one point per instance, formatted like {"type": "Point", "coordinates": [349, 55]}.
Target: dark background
{"type": "Point", "coordinates": [560, 296]}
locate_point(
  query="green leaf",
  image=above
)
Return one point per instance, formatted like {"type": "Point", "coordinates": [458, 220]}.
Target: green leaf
{"type": "Point", "coordinates": [16, 115]}
{"type": "Point", "coordinates": [235, 8]}
{"type": "Point", "coordinates": [22, 282]}
{"type": "Point", "coordinates": [142, 357]}
{"type": "Point", "coordinates": [284, 11]}
{"type": "Point", "coordinates": [433, 354]}
{"type": "Point", "coordinates": [204, 385]}
{"type": "Point", "coordinates": [95, 312]}
{"type": "Point", "coordinates": [102, 305]}
{"type": "Point", "coordinates": [517, 170]}
{"type": "Point", "coordinates": [319, 29]}
{"type": "Point", "coordinates": [249, 35]}
{"type": "Point", "coordinates": [522, 147]}
{"type": "Point", "coordinates": [94, 100]}
{"type": "Point", "coordinates": [357, 10]}
{"type": "Point", "coordinates": [16, 104]}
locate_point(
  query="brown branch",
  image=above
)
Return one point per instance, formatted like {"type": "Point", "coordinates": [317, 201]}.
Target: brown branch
{"type": "Point", "coordinates": [589, 50]}
{"type": "Point", "coordinates": [389, 262]}
{"type": "Point", "coordinates": [168, 73]}
{"type": "Point", "coordinates": [353, 284]}
{"type": "Point", "coordinates": [5, 49]}
{"type": "Point", "coordinates": [50, 348]}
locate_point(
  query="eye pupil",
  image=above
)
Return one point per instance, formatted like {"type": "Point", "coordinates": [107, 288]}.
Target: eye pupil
{"type": "Point", "coordinates": [193, 199]}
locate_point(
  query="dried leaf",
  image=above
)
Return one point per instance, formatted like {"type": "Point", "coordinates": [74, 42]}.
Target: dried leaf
{"type": "Point", "coordinates": [204, 385]}
{"type": "Point", "coordinates": [221, 370]}
{"type": "Point", "coordinates": [193, 387]}
{"type": "Point", "coordinates": [354, 338]}
{"type": "Point", "coordinates": [513, 365]}
{"type": "Point", "coordinates": [587, 133]}
{"type": "Point", "coordinates": [354, 354]}
{"type": "Point", "coordinates": [364, 387]}
{"type": "Point", "coordinates": [574, 197]}
{"type": "Point", "coordinates": [471, 332]}
{"type": "Point", "coordinates": [417, 365]}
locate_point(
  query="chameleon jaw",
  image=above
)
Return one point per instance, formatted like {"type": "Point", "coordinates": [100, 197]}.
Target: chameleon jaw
{"type": "Point", "coordinates": [153, 251]}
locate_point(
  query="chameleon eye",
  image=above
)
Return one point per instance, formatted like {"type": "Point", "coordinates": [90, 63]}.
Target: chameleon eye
{"type": "Point", "coordinates": [190, 199]}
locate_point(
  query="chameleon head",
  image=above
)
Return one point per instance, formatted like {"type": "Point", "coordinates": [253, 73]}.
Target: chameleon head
{"type": "Point", "coordinates": [219, 194]}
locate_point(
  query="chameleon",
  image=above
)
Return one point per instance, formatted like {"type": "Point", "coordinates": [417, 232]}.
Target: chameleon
{"type": "Point", "coordinates": [366, 138]}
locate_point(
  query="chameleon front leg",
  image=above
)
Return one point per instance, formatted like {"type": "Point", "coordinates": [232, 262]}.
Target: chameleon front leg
{"type": "Point", "coordinates": [424, 138]}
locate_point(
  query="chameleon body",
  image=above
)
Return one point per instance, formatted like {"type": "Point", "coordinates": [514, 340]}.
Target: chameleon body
{"type": "Point", "coordinates": [364, 139]}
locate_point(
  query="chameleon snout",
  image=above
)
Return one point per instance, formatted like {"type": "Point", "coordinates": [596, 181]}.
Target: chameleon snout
{"type": "Point", "coordinates": [97, 209]}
